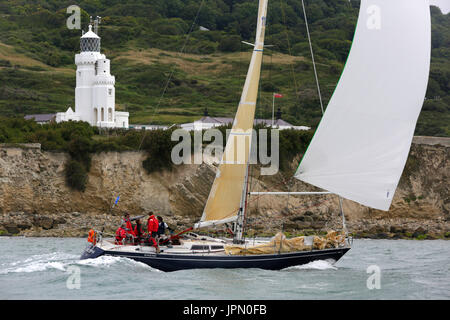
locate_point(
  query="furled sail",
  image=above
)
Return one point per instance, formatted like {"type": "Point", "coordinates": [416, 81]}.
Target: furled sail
{"type": "Point", "coordinates": [225, 197]}
{"type": "Point", "coordinates": [362, 143]}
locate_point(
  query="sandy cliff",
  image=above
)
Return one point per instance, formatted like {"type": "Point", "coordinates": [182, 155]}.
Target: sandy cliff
{"type": "Point", "coordinates": [34, 199]}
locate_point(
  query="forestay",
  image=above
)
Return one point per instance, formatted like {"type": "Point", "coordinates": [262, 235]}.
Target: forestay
{"type": "Point", "coordinates": [362, 143]}
{"type": "Point", "coordinates": [225, 197]}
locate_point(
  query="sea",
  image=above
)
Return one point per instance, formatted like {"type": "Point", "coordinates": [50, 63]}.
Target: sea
{"type": "Point", "coordinates": [50, 268]}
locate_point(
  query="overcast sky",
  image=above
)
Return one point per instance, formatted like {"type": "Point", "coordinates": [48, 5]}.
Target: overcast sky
{"type": "Point", "coordinates": [444, 5]}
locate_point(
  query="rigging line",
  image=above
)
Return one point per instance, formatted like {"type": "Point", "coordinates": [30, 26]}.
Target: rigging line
{"type": "Point", "coordinates": [289, 48]}
{"type": "Point", "coordinates": [173, 68]}
{"type": "Point", "coordinates": [312, 56]}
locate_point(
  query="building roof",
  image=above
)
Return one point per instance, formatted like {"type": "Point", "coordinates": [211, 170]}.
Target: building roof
{"type": "Point", "coordinates": [224, 121]}
{"type": "Point", "coordinates": [41, 117]}
{"type": "Point", "coordinates": [90, 34]}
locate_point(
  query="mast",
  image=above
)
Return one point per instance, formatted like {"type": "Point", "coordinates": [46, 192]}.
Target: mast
{"type": "Point", "coordinates": [239, 225]}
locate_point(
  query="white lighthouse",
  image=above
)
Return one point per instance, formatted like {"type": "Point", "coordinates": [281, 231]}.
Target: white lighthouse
{"type": "Point", "coordinates": [94, 92]}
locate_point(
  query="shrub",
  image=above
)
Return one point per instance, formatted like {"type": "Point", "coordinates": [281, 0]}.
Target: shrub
{"type": "Point", "coordinates": [76, 175]}
{"type": "Point", "coordinates": [79, 149]}
{"type": "Point", "coordinates": [159, 146]}
{"type": "Point", "coordinates": [230, 44]}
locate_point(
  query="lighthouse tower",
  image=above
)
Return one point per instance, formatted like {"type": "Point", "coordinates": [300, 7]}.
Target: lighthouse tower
{"type": "Point", "coordinates": [94, 92]}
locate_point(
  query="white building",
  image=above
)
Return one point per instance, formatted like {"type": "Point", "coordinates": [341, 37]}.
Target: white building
{"type": "Point", "coordinates": [207, 122]}
{"type": "Point", "coordinates": [94, 92]}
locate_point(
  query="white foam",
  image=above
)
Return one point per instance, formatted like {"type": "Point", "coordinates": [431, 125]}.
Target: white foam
{"type": "Point", "coordinates": [142, 265]}
{"type": "Point", "coordinates": [102, 261]}
{"type": "Point", "coordinates": [60, 261]}
{"type": "Point", "coordinates": [55, 260]}
{"type": "Point", "coordinates": [316, 265]}
{"type": "Point", "coordinates": [107, 261]}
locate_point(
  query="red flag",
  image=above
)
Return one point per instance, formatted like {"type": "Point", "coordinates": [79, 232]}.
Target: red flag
{"type": "Point", "coordinates": [277, 95]}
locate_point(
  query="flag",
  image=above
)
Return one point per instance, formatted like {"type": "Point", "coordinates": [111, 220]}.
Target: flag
{"type": "Point", "coordinates": [277, 95]}
{"type": "Point", "coordinates": [117, 200]}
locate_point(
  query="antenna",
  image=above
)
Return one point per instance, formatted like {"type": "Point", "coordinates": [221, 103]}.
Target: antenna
{"type": "Point", "coordinates": [97, 21]}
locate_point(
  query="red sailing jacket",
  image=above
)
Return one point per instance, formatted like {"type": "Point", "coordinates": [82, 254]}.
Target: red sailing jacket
{"type": "Point", "coordinates": [129, 227]}
{"type": "Point", "coordinates": [152, 224]}
{"type": "Point", "coordinates": [120, 235]}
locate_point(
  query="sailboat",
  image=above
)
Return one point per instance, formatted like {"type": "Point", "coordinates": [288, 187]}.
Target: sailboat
{"type": "Point", "coordinates": [358, 151]}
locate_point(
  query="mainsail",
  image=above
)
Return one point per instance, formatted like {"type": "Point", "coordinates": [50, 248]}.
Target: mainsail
{"type": "Point", "coordinates": [224, 201]}
{"type": "Point", "coordinates": [362, 143]}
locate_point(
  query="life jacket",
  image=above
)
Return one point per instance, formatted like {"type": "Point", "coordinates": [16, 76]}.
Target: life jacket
{"type": "Point", "coordinates": [162, 228]}
{"type": "Point", "coordinates": [120, 235]}
{"type": "Point", "coordinates": [92, 237]}
{"type": "Point", "coordinates": [152, 224]}
{"type": "Point", "coordinates": [129, 227]}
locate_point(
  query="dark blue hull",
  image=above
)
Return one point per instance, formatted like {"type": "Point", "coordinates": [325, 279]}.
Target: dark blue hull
{"type": "Point", "coordinates": [92, 252]}
{"type": "Point", "coordinates": [174, 262]}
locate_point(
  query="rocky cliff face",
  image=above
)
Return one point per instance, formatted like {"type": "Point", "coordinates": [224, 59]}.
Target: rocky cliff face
{"type": "Point", "coordinates": [34, 198]}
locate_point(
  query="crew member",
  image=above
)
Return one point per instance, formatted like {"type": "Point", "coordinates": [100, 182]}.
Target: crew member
{"type": "Point", "coordinates": [121, 234]}
{"type": "Point", "coordinates": [152, 228]}
{"type": "Point", "coordinates": [128, 225]}
{"type": "Point", "coordinates": [162, 227]}
{"type": "Point", "coordinates": [138, 232]}
{"type": "Point", "coordinates": [152, 225]}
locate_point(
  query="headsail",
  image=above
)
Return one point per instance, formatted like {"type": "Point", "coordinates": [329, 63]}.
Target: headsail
{"type": "Point", "coordinates": [224, 200]}
{"type": "Point", "coordinates": [362, 143]}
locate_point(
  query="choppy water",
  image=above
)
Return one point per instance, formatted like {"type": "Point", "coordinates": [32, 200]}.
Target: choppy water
{"type": "Point", "coordinates": [47, 268]}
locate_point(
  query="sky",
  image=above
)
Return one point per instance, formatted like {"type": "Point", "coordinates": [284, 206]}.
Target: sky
{"type": "Point", "coordinates": [444, 5]}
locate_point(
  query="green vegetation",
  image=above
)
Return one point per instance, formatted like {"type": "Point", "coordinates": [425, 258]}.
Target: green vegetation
{"type": "Point", "coordinates": [76, 175]}
{"type": "Point", "coordinates": [144, 39]}
{"type": "Point", "coordinates": [158, 145]}
{"type": "Point", "coordinates": [80, 141]}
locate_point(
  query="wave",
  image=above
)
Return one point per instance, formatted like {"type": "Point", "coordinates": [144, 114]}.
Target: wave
{"type": "Point", "coordinates": [108, 261]}
{"type": "Point", "coordinates": [61, 261]}
{"type": "Point", "coordinates": [316, 265]}
{"type": "Point", "coordinates": [41, 262]}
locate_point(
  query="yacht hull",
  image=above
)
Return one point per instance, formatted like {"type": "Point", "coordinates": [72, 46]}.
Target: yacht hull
{"type": "Point", "coordinates": [175, 262]}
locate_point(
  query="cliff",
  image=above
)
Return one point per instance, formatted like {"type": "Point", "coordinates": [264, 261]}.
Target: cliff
{"type": "Point", "coordinates": [35, 201]}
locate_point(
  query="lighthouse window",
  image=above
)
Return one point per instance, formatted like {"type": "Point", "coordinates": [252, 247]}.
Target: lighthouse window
{"type": "Point", "coordinates": [110, 91]}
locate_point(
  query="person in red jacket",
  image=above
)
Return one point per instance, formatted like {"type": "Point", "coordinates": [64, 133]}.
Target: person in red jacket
{"type": "Point", "coordinates": [152, 224]}
{"type": "Point", "coordinates": [121, 234]}
{"type": "Point", "coordinates": [128, 225]}
{"type": "Point", "coordinates": [152, 228]}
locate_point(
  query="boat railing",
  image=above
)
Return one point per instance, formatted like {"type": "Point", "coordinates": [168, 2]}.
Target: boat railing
{"type": "Point", "coordinates": [349, 239]}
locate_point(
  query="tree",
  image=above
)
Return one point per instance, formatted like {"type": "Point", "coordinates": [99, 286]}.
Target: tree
{"type": "Point", "coordinates": [230, 44]}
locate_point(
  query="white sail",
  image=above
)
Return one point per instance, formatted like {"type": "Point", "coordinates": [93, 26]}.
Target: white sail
{"type": "Point", "coordinates": [362, 143]}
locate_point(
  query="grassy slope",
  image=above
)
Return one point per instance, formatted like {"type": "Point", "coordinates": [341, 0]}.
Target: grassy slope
{"type": "Point", "coordinates": [30, 84]}
{"type": "Point", "coordinates": [199, 81]}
